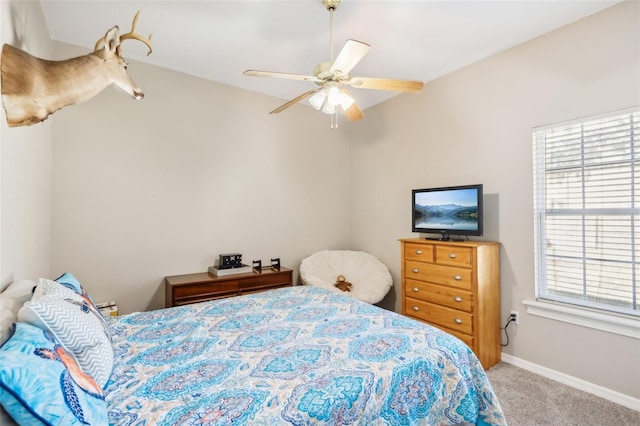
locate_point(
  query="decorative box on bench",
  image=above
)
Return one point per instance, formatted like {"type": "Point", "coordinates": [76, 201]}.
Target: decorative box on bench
{"type": "Point", "coordinates": [108, 309]}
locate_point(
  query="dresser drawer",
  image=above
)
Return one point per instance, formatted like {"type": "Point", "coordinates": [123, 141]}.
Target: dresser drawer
{"type": "Point", "coordinates": [447, 317]}
{"type": "Point", "coordinates": [446, 275]}
{"type": "Point", "coordinates": [446, 296]}
{"type": "Point", "coordinates": [454, 256]}
{"type": "Point", "coordinates": [419, 252]}
{"type": "Point", "coordinates": [202, 286]}
{"type": "Point", "coordinates": [188, 299]}
{"type": "Point", "coordinates": [202, 292]}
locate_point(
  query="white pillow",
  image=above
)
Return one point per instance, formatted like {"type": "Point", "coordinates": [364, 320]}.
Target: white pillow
{"type": "Point", "coordinates": [78, 330]}
{"type": "Point", "coordinates": [7, 318]}
{"type": "Point", "coordinates": [11, 300]}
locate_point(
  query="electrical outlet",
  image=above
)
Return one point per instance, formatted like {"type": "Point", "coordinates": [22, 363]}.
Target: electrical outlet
{"type": "Point", "coordinates": [516, 317]}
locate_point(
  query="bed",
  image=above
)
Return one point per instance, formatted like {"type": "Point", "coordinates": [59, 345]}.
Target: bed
{"type": "Point", "coordinates": [300, 355]}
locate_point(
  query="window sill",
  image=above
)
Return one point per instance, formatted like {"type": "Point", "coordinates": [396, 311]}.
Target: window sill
{"type": "Point", "coordinates": [611, 323]}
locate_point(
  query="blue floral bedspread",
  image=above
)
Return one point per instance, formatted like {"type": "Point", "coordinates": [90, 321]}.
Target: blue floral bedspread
{"type": "Point", "coordinates": [299, 355]}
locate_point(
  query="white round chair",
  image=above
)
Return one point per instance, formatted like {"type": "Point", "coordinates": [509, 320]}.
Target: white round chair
{"type": "Point", "coordinates": [370, 278]}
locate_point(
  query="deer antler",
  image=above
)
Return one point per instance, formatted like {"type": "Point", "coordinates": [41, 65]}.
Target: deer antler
{"type": "Point", "coordinates": [130, 35]}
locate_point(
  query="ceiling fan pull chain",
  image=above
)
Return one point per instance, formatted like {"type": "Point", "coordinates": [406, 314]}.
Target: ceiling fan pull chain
{"type": "Point", "coordinates": [334, 120]}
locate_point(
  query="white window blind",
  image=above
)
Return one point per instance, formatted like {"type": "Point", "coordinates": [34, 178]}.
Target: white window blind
{"type": "Point", "coordinates": [587, 212]}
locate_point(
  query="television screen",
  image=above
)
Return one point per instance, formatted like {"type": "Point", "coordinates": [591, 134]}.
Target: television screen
{"type": "Point", "coordinates": [453, 210]}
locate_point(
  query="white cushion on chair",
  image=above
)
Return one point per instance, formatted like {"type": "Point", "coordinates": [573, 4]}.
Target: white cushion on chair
{"type": "Point", "coordinates": [370, 277]}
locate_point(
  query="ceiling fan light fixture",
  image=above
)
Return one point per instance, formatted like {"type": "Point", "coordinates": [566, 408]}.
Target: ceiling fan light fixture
{"type": "Point", "coordinates": [318, 99]}
{"type": "Point", "coordinates": [327, 108]}
{"type": "Point", "coordinates": [333, 95]}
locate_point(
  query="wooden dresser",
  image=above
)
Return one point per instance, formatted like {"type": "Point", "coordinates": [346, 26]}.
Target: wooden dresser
{"type": "Point", "coordinates": [203, 286]}
{"type": "Point", "coordinates": [455, 286]}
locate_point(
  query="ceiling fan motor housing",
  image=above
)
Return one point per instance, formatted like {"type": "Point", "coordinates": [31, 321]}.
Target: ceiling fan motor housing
{"type": "Point", "coordinates": [323, 72]}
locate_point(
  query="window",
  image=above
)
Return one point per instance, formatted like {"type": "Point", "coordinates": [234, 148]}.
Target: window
{"type": "Point", "coordinates": [587, 212]}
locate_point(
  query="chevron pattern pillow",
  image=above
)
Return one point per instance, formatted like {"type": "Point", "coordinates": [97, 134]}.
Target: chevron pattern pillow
{"type": "Point", "coordinates": [41, 384]}
{"type": "Point", "coordinates": [77, 329]}
{"type": "Point", "coordinates": [56, 290]}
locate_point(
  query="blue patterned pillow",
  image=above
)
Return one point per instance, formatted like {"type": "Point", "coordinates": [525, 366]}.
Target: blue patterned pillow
{"type": "Point", "coordinates": [77, 329]}
{"type": "Point", "coordinates": [41, 383]}
{"type": "Point", "coordinates": [71, 282]}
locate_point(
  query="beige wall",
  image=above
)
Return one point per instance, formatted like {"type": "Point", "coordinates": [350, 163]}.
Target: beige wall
{"type": "Point", "coordinates": [162, 186]}
{"type": "Point", "coordinates": [25, 166]}
{"type": "Point", "coordinates": [474, 126]}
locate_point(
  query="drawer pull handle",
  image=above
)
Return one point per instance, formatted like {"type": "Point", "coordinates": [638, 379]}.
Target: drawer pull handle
{"type": "Point", "coordinates": [418, 251]}
{"type": "Point", "coordinates": [457, 299]}
{"type": "Point", "coordinates": [415, 270]}
{"type": "Point", "coordinates": [415, 308]}
{"type": "Point", "coordinates": [457, 320]}
{"type": "Point", "coordinates": [453, 255]}
{"type": "Point", "coordinates": [457, 277]}
{"type": "Point", "coordinates": [415, 289]}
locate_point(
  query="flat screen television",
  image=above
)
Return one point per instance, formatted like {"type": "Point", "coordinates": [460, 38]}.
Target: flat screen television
{"type": "Point", "coordinates": [448, 211]}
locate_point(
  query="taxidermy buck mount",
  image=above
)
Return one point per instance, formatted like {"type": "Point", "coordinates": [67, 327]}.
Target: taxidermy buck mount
{"type": "Point", "coordinates": [33, 88]}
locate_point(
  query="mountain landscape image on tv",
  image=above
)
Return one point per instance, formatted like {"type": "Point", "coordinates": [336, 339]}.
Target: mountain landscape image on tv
{"type": "Point", "coordinates": [455, 210]}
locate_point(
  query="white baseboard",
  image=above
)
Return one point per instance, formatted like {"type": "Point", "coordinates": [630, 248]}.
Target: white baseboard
{"type": "Point", "coordinates": [574, 382]}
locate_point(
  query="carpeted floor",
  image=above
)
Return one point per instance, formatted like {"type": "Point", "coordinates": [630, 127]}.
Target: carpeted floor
{"type": "Point", "coordinates": [528, 399]}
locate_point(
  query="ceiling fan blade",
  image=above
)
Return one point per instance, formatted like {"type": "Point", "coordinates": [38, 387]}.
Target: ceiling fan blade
{"type": "Point", "coordinates": [407, 86]}
{"type": "Point", "coordinates": [294, 101]}
{"type": "Point", "coordinates": [353, 111]}
{"type": "Point", "coordinates": [256, 73]}
{"type": "Point", "coordinates": [352, 52]}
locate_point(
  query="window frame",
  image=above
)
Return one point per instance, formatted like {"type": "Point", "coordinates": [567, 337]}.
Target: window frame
{"type": "Point", "coordinates": [569, 309]}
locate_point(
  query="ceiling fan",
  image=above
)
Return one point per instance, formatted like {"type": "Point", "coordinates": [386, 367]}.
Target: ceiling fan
{"type": "Point", "coordinates": [332, 76]}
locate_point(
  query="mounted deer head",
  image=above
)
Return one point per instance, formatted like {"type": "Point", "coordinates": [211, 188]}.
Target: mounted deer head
{"type": "Point", "coordinates": [33, 88]}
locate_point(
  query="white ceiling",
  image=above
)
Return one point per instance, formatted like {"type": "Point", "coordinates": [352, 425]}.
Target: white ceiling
{"type": "Point", "coordinates": [218, 40]}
